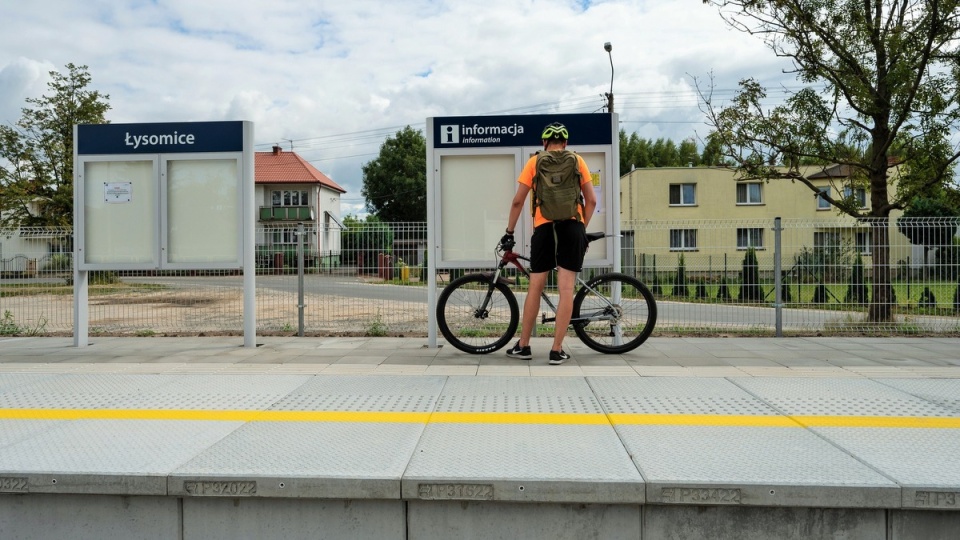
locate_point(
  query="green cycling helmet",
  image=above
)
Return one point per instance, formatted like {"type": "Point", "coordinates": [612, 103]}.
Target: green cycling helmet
{"type": "Point", "coordinates": [555, 130]}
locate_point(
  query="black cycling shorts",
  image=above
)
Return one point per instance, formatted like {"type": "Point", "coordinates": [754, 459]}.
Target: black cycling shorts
{"type": "Point", "coordinates": [565, 249]}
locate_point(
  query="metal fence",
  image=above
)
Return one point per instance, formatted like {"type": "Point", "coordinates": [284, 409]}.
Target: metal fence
{"type": "Point", "coordinates": [800, 276]}
{"type": "Point", "coordinates": [721, 276]}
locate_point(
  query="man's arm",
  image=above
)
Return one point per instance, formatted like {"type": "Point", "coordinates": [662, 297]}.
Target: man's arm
{"type": "Point", "coordinates": [517, 206]}
{"type": "Point", "coordinates": [589, 196]}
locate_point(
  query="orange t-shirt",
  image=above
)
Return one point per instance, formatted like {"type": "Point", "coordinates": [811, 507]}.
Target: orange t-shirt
{"type": "Point", "coordinates": [530, 172]}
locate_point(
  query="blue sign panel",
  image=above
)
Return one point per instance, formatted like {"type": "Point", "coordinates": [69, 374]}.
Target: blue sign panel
{"type": "Point", "coordinates": [485, 131]}
{"type": "Point", "coordinates": [165, 138]}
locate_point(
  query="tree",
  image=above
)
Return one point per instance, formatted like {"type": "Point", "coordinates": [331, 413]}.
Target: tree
{"type": "Point", "coordinates": [712, 152]}
{"type": "Point", "coordinates": [931, 223]}
{"type": "Point", "coordinates": [687, 153]}
{"type": "Point", "coordinates": [889, 72]}
{"type": "Point", "coordinates": [395, 184]}
{"type": "Point", "coordinates": [363, 240]}
{"type": "Point", "coordinates": [750, 288]}
{"type": "Point", "coordinates": [36, 154]}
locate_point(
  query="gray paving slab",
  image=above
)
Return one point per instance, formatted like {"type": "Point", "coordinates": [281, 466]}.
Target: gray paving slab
{"type": "Point", "coordinates": [716, 425]}
{"type": "Point", "coordinates": [838, 397]}
{"type": "Point", "coordinates": [342, 459]}
{"type": "Point", "coordinates": [741, 463]}
{"type": "Point", "coordinates": [132, 457]}
{"type": "Point", "coordinates": [528, 461]}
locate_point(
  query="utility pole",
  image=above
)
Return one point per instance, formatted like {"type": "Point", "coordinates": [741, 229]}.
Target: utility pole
{"type": "Point", "coordinates": [609, 48]}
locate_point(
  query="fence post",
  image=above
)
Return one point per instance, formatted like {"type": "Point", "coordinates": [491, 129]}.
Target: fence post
{"type": "Point", "coordinates": [777, 277]}
{"type": "Point", "coordinates": [300, 305]}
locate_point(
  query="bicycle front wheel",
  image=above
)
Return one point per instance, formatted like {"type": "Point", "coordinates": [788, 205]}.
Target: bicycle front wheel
{"type": "Point", "coordinates": [614, 327]}
{"type": "Point", "coordinates": [476, 318]}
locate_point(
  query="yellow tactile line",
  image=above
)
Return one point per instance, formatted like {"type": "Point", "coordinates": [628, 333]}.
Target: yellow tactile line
{"type": "Point", "coordinates": [714, 420]}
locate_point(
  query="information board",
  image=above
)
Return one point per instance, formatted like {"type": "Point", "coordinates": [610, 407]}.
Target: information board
{"type": "Point", "coordinates": [120, 204]}
{"type": "Point", "coordinates": [473, 166]}
{"type": "Point", "coordinates": [162, 196]}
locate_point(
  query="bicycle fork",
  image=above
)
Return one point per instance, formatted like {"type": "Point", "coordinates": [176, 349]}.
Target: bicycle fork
{"type": "Point", "coordinates": [481, 312]}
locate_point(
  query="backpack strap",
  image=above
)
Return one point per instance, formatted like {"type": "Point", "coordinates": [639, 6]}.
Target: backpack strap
{"type": "Point", "coordinates": [536, 186]}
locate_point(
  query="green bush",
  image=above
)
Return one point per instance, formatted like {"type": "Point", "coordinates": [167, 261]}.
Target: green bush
{"type": "Point", "coordinates": [680, 281]}
{"type": "Point", "coordinates": [750, 289]}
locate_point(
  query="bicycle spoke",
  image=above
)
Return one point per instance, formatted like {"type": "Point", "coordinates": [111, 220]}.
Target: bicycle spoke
{"type": "Point", "coordinates": [469, 323]}
{"type": "Point", "coordinates": [614, 326]}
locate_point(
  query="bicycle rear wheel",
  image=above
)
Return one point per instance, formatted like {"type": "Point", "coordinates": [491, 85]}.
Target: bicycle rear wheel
{"type": "Point", "coordinates": [617, 327]}
{"type": "Point", "coordinates": [471, 326]}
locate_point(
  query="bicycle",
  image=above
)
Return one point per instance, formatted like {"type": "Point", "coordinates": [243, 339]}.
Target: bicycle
{"type": "Point", "coordinates": [478, 313]}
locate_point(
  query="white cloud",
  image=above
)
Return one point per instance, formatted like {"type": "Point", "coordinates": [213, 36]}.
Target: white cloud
{"type": "Point", "coordinates": [20, 79]}
{"type": "Point", "coordinates": [337, 77]}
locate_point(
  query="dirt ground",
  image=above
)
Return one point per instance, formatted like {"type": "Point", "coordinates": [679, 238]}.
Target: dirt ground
{"type": "Point", "coordinates": [180, 312]}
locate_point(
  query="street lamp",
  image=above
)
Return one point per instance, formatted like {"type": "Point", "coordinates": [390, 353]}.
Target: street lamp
{"type": "Point", "coordinates": [609, 48]}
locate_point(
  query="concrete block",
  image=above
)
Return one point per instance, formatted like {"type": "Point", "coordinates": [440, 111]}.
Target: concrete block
{"type": "Point", "coordinates": [291, 519]}
{"type": "Point", "coordinates": [88, 517]}
{"type": "Point", "coordinates": [495, 520]}
{"type": "Point", "coordinates": [761, 523]}
{"type": "Point", "coordinates": [929, 525]}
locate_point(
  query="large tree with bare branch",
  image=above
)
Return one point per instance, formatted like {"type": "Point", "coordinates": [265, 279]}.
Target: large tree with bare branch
{"type": "Point", "coordinates": [882, 80]}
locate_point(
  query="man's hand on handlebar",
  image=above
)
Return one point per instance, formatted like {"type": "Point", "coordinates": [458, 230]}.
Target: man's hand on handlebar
{"type": "Point", "coordinates": [507, 242]}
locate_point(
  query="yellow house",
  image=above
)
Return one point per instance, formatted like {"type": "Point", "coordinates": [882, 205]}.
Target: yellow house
{"type": "Point", "coordinates": [711, 218]}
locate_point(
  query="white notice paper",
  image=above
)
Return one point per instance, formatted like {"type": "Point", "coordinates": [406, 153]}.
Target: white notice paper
{"type": "Point", "coordinates": [117, 192]}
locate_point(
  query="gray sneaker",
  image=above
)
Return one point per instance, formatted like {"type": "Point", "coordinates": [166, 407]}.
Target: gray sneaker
{"type": "Point", "coordinates": [557, 357]}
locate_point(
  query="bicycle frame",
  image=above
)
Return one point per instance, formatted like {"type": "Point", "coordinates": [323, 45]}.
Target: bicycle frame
{"type": "Point", "coordinates": [514, 258]}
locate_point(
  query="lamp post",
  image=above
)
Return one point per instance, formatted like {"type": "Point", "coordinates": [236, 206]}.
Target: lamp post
{"type": "Point", "coordinates": [609, 48]}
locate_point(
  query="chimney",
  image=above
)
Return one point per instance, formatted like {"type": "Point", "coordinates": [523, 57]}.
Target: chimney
{"type": "Point", "coordinates": [277, 150]}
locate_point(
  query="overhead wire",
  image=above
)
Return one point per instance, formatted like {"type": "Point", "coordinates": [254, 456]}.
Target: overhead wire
{"type": "Point", "coordinates": [355, 144]}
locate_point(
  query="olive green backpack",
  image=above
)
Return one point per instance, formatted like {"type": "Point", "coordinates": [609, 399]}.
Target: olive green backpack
{"type": "Point", "coordinates": [556, 190]}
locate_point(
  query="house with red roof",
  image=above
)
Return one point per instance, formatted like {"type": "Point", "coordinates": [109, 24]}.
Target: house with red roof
{"type": "Point", "coordinates": [289, 190]}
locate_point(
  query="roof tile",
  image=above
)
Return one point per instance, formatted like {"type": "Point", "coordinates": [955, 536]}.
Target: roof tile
{"type": "Point", "coordinates": [279, 167]}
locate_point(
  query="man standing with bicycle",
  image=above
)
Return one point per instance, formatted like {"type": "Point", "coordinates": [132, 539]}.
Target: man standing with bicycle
{"type": "Point", "coordinates": [559, 236]}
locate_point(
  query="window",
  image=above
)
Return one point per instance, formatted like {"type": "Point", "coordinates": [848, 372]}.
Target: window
{"type": "Point", "coordinates": [683, 239]}
{"type": "Point", "coordinates": [683, 194]}
{"type": "Point", "coordinates": [823, 204]}
{"type": "Point", "coordinates": [750, 238]}
{"type": "Point", "coordinates": [749, 194]}
{"type": "Point", "coordinates": [284, 236]}
{"type": "Point", "coordinates": [864, 242]}
{"type": "Point", "coordinates": [289, 197]}
{"type": "Point", "coordinates": [826, 240]}
{"type": "Point", "coordinates": [859, 194]}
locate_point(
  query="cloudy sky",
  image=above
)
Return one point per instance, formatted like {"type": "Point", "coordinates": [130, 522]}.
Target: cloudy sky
{"type": "Point", "coordinates": [333, 78]}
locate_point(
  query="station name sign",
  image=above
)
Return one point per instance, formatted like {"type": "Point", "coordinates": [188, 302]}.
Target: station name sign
{"type": "Point", "coordinates": [525, 130]}
{"type": "Point", "coordinates": [159, 138]}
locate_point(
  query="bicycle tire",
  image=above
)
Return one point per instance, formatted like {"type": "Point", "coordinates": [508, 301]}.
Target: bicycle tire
{"type": "Point", "coordinates": [636, 314]}
{"type": "Point", "coordinates": [469, 331]}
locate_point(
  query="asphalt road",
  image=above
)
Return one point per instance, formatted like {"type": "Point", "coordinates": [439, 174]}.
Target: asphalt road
{"type": "Point", "coordinates": [670, 313]}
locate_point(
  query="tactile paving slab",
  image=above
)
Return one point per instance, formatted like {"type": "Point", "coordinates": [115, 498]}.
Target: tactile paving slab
{"type": "Point", "coordinates": [364, 393]}
{"type": "Point", "coordinates": [925, 462]}
{"type": "Point", "coordinates": [130, 457]}
{"type": "Point", "coordinates": [942, 392]}
{"type": "Point", "coordinates": [736, 461]}
{"type": "Point", "coordinates": [323, 459]}
{"type": "Point", "coordinates": [838, 397]}
{"type": "Point", "coordinates": [475, 455]}
{"type": "Point", "coordinates": [676, 395]}
{"type": "Point", "coordinates": [151, 391]}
